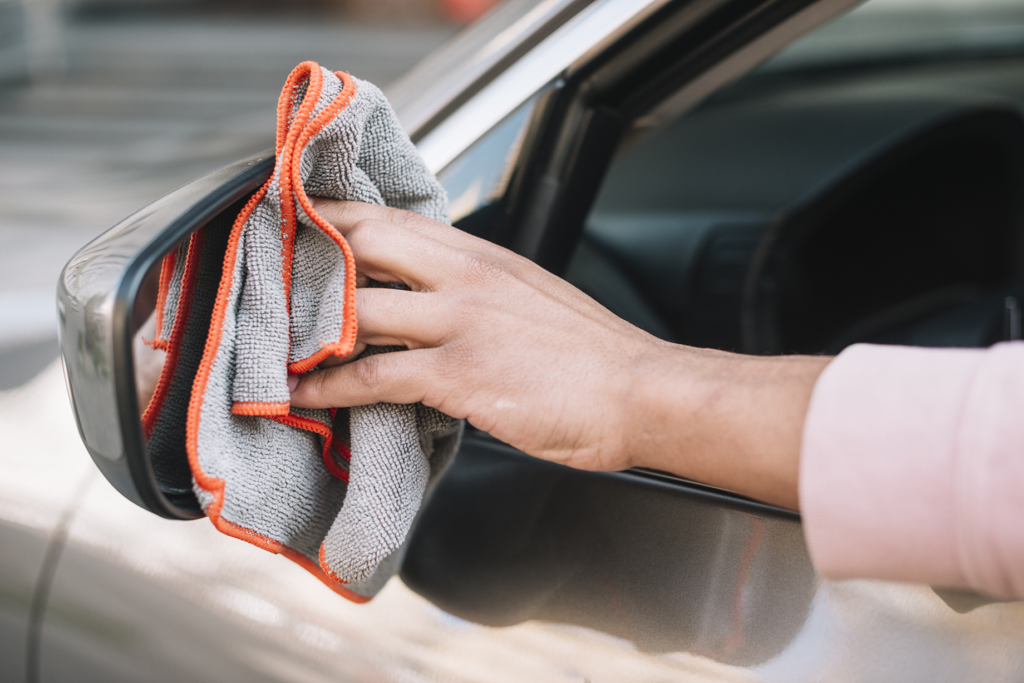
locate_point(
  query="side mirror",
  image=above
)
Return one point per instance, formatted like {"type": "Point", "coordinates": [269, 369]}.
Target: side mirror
{"type": "Point", "coordinates": [103, 301]}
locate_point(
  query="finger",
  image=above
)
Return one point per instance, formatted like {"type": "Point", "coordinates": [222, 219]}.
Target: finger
{"type": "Point", "coordinates": [388, 253]}
{"type": "Point", "coordinates": [398, 377]}
{"type": "Point", "coordinates": [393, 317]}
{"type": "Point", "coordinates": [345, 215]}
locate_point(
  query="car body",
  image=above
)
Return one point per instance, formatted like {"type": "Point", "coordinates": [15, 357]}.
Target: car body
{"type": "Point", "coordinates": [609, 141]}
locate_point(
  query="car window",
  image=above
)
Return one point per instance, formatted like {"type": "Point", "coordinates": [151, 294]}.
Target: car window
{"type": "Point", "coordinates": [476, 181]}
{"type": "Point", "coordinates": [861, 185]}
{"type": "Point", "coordinates": [884, 30]}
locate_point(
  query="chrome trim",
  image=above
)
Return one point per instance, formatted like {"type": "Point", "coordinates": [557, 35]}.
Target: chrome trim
{"type": "Point", "coordinates": [95, 296]}
{"type": "Point", "coordinates": [564, 48]}
{"type": "Point", "coordinates": [466, 63]}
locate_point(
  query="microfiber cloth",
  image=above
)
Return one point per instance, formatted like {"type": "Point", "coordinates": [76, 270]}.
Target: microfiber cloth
{"type": "Point", "coordinates": [239, 310]}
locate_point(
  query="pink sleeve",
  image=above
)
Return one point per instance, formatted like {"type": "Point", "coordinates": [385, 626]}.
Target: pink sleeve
{"type": "Point", "coordinates": [912, 467]}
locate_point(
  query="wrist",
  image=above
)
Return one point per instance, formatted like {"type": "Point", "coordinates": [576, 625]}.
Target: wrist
{"type": "Point", "coordinates": [672, 388]}
{"type": "Point", "coordinates": [729, 420]}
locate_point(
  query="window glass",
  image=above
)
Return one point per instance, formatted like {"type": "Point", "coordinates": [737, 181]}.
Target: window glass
{"type": "Point", "coordinates": [477, 180]}
{"type": "Point", "coordinates": [861, 186]}
{"type": "Point", "coordinates": [886, 29]}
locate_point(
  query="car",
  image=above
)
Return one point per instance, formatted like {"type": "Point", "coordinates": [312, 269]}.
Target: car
{"type": "Point", "coordinates": [767, 176]}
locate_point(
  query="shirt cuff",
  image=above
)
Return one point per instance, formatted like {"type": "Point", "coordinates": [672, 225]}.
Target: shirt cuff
{"type": "Point", "coordinates": [879, 460]}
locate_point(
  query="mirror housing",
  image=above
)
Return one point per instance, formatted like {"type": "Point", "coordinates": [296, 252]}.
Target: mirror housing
{"type": "Point", "coordinates": [96, 297]}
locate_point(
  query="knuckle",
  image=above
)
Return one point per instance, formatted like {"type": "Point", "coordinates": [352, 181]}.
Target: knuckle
{"type": "Point", "coordinates": [397, 216]}
{"type": "Point", "coordinates": [360, 232]}
{"type": "Point", "coordinates": [367, 371]}
{"type": "Point", "coordinates": [483, 268]}
{"type": "Point", "coordinates": [456, 355]}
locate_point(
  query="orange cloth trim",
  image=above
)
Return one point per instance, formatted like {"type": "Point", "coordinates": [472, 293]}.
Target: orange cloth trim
{"type": "Point", "coordinates": [338, 444]}
{"type": "Point", "coordinates": [342, 449]}
{"type": "Point", "coordinates": [324, 567]}
{"type": "Point", "coordinates": [332, 466]}
{"type": "Point", "coordinates": [214, 485]}
{"type": "Point", "coordinates": [349, 326]}
{"type": "Point", "coordinates": [166, 275]}
{"type": "Point", "coordinates": [331, 581]}
{"type": "Point", "coordinates": [324, 431]}
{"type": "Point", "coordinates": [260, 408]}
{"type": "Point", "coordinates": [173, 345]}
{"type": "Point", "coordinates": [331, 576]}
{"type": "Point", "coordinates": [288, 172]}
{"type": "Point", "coordinates": [341, 348]}
{"type": "Point", "coordinates": [285, 153]}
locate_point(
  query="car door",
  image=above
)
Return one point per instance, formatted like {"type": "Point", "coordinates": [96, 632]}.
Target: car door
{"type": "Point", "coordinates": [518, 569]}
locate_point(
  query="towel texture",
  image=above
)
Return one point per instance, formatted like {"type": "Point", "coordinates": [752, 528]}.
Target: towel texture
{"type": "Point", "coordinates": [241, 308]}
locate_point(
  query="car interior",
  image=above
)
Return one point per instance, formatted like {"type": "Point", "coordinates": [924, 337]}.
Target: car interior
{"type": "Point", "coordinates": [819, 202]}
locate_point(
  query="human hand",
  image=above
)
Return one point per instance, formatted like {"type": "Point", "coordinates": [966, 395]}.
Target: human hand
{"type": "Point", "coordinates": [530, 359]}
{"type": "Point", "coordinates": [492, 338]}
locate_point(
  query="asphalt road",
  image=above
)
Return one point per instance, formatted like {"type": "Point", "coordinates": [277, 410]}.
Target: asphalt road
{"type": "Point", "coordinates": [133, 109]}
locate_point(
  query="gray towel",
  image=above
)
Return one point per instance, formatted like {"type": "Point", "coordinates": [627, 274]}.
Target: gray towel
{"type": "Point", "coordinates": [336, 491]}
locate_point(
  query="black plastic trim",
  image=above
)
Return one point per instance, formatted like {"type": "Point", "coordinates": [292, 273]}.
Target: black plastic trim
{"type": "Point", "coordinates": [195, 217]}
{"type": "Point", "coordinates": [652, 479]}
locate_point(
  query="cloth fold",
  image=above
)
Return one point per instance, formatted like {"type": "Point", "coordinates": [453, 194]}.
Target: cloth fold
{"type": "Point", "coordinates": [336, 491]}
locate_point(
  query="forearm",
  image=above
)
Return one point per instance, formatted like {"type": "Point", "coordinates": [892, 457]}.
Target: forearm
{"type": "Point", "coordinates": [726, 419]}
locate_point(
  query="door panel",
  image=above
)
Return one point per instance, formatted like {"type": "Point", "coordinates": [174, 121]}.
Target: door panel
{"type": "Point", "coordinates": [669, 566]}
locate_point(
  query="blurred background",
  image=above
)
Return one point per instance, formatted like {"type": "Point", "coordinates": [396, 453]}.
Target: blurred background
{"type": "Point", "coordinates": [107, 105]}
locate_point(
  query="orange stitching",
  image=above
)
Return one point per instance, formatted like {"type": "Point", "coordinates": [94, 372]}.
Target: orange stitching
{"type": "Point", "coordinates": [290, 171]}
{"type": "Point", "coordinates": [215, 485]}
{"type": "Point", "coordinates": [324, 567]}
{"type": "Point", "coordinates": [331, 581]}
{"type": "Point", "coordinates": [341, 348]}
{"type": "Point", "coordinates": [334, 577]}
{"type": "Point", "coordinates": [173, 345]}
{"type": "Point", "coordinates": [349, 326]}
{"type": "Point", "coordinates": [342, 449]}
{"type": "Point", "coordinates": [324, 431]}
{"type": "Point", "coordinates": [260, 408]}
{"type": "Point", "coordinates": [166, 275]}
{"type": "Point", "coordinates": [332, 466]}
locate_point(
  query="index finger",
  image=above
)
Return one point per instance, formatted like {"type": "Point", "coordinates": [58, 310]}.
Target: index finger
{"type": "Point", "coordinates": [344, 216]}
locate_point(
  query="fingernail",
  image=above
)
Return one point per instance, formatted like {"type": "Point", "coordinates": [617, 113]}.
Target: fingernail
{"type": "Point", "coordinates": [293, 381]}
